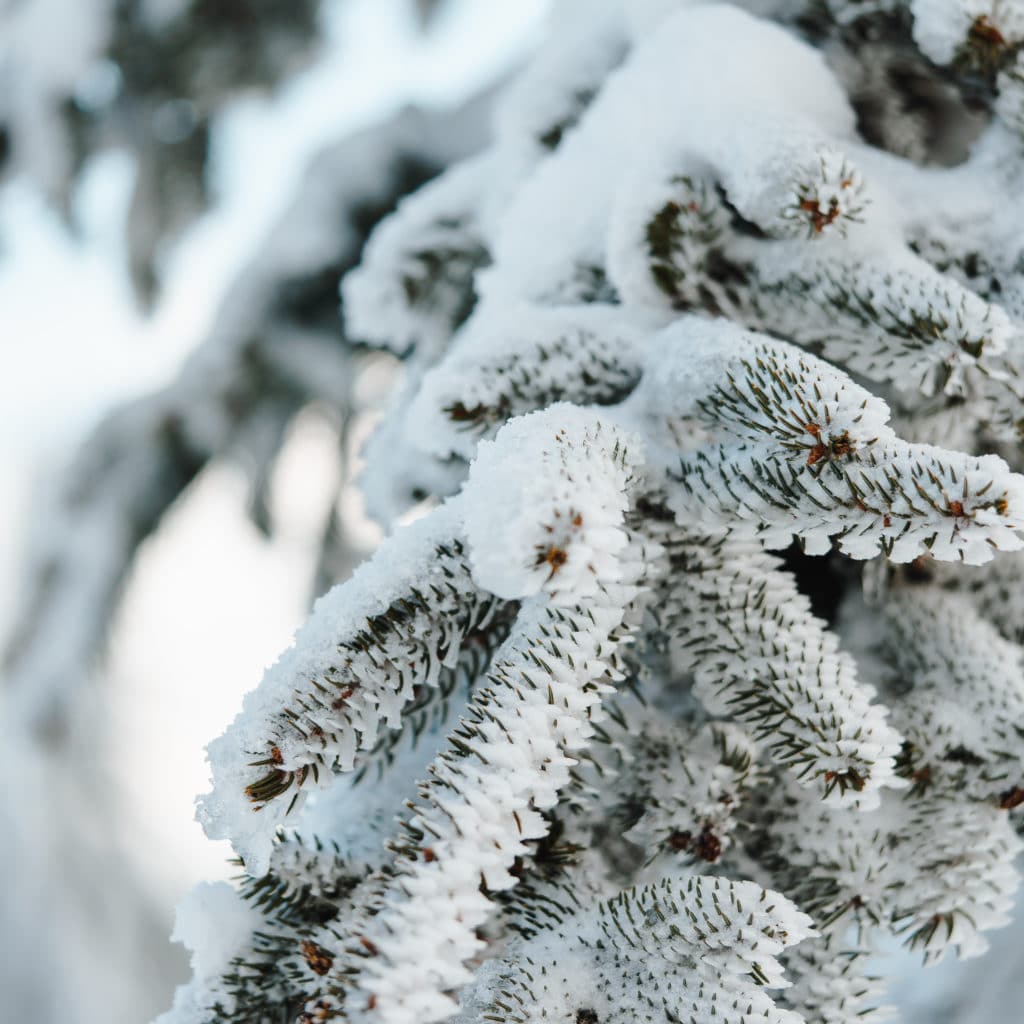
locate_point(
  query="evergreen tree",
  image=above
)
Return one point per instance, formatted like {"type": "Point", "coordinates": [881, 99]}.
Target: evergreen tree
{"type": "Point", "coordinates": [699, 676]}
{"type": "Point", "coordinates": [686, 690]}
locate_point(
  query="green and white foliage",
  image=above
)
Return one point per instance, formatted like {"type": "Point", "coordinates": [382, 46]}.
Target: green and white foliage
{"type": "Point", "coordinates": [366, 653]}
{"type": "Point", "coordinates": [937, 870]}
{"type": "Point", "coordinates": [500, 366]}
{"type": "Point", "coordinates": [979, 33]}
{"type": "Point", "coordinates": [687, 785]}
{"type": "Point", "coordinates": [793, 448]}
{"type": "Point", "coordinates": [741, 627]}
{"type": "Point", "coordinates": [507, 761]}
{"type": "Point", "coordinates": [683, 948]}
{"type": "Point", "coordinates": [833, 982]}
{"type": "Point", "coordinates": [962, 714]}
{"type": "Point", "coordinates": [419, 266]}
{"type": "Point", "coordinates": [697, 679]}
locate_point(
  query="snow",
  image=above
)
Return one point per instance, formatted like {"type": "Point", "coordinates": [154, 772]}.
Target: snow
{"type": "Point", "coordinates": [942, 27]}
{"type": "Point", "coordinates": [478, 812]}
{"type": "Point", "coordinates": [583, 43]}
{"type": "Point", "coordinates": [967, 691]}
{"type": "Point", "coordinates": [409, 559]}
{"type": "Point", "coordinates": [508, 360]}
{"type": "Point", "coordinates": [215, 924]}
{"type": "Point", "coordinates": [777, 426]}
{"type": "Point", "coordinates": [377, 296]}
{"type": "Point", "coordinates": [38, 67]}
{"type": "Point", "coordinates": [682, 945]}
{"type": "Point", "coordinates": [808, 705]}
{"type": "Point", "coordinates": [545, 503]}
{"type": "Point", "coordinates": [657, 101]}
{"type": "Point", "coordinates": [962, 339]}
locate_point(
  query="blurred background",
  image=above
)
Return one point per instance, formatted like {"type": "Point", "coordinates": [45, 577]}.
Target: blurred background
{"type": "Point", "coordinates": [164, 169]}
{"type": "Point", "coordinates": [182, 182]}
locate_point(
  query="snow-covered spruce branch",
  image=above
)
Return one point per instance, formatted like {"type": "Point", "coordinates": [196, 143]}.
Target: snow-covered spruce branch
{"type": "Point", "coordinates": [996, 591]}
{"type": "Point", "coordinates": [414, 287]}
{"type": "Point", "coordinates": [417, 283]}
{"type": "Point", "coordinates": [794, 448]}
{"type": "Point", "coordinates": [706, 230]}
{"type": "Point", "coordinates": [978, 33]}
{"type": "Point", "coordinates": [690, 784]}
{"type": "Point", "coordinates": [867, 298]}
{"type": "Point", "coordinates": [563, 551]}
{"type": "Point", "coordinates": [889, 316]}
{"type": "Point", "coordinates": [790, 185]}
{"type": "Point", "coordinates": [542, 691]}
{"type": "Point", "coordinates": [936, 870]}
{"type": "Point", "coordinates": [371, 646]}
{"type": "Point", "coordinates": [730, 502]}
{"type": "Point", "coordinates": [265, 951]}
{"type": "Point", "coordinates": [685, 948]}
{"type": "Point", "coordinates": [506, 362]}
{"type": "Point", "coordinates": [419, 266]}
{"type": "Point", "coordinates": [835, 981]}
{"type": "Point", "coordinates": [286, 924]}
{"type": "Point", "coordinates": [747, 634]}
{"type": "Point", "coordinates": [942, 660]}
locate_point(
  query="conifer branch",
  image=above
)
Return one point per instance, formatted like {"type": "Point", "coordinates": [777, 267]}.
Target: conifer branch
{"type": "Point", "coordinates": [758, 654]}
{"type": "Point", "coordinates": [505, 364]}
{"type": "Point", "coordinates": [512, 754]}
{"type": "Point", "coordinates": [613, 684]}
{"type": "Point", "coordinates": [795, 448]}
{"type": "Point", "coordinates": [371, 646]}
{"type": "Point", "coordinates": [961, 707]}
{"type": "Point", "coordinates": [686, 948]}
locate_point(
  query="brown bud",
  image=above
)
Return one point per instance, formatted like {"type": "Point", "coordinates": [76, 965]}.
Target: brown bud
{"type": "Point", "coordinates": [317, 957]}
